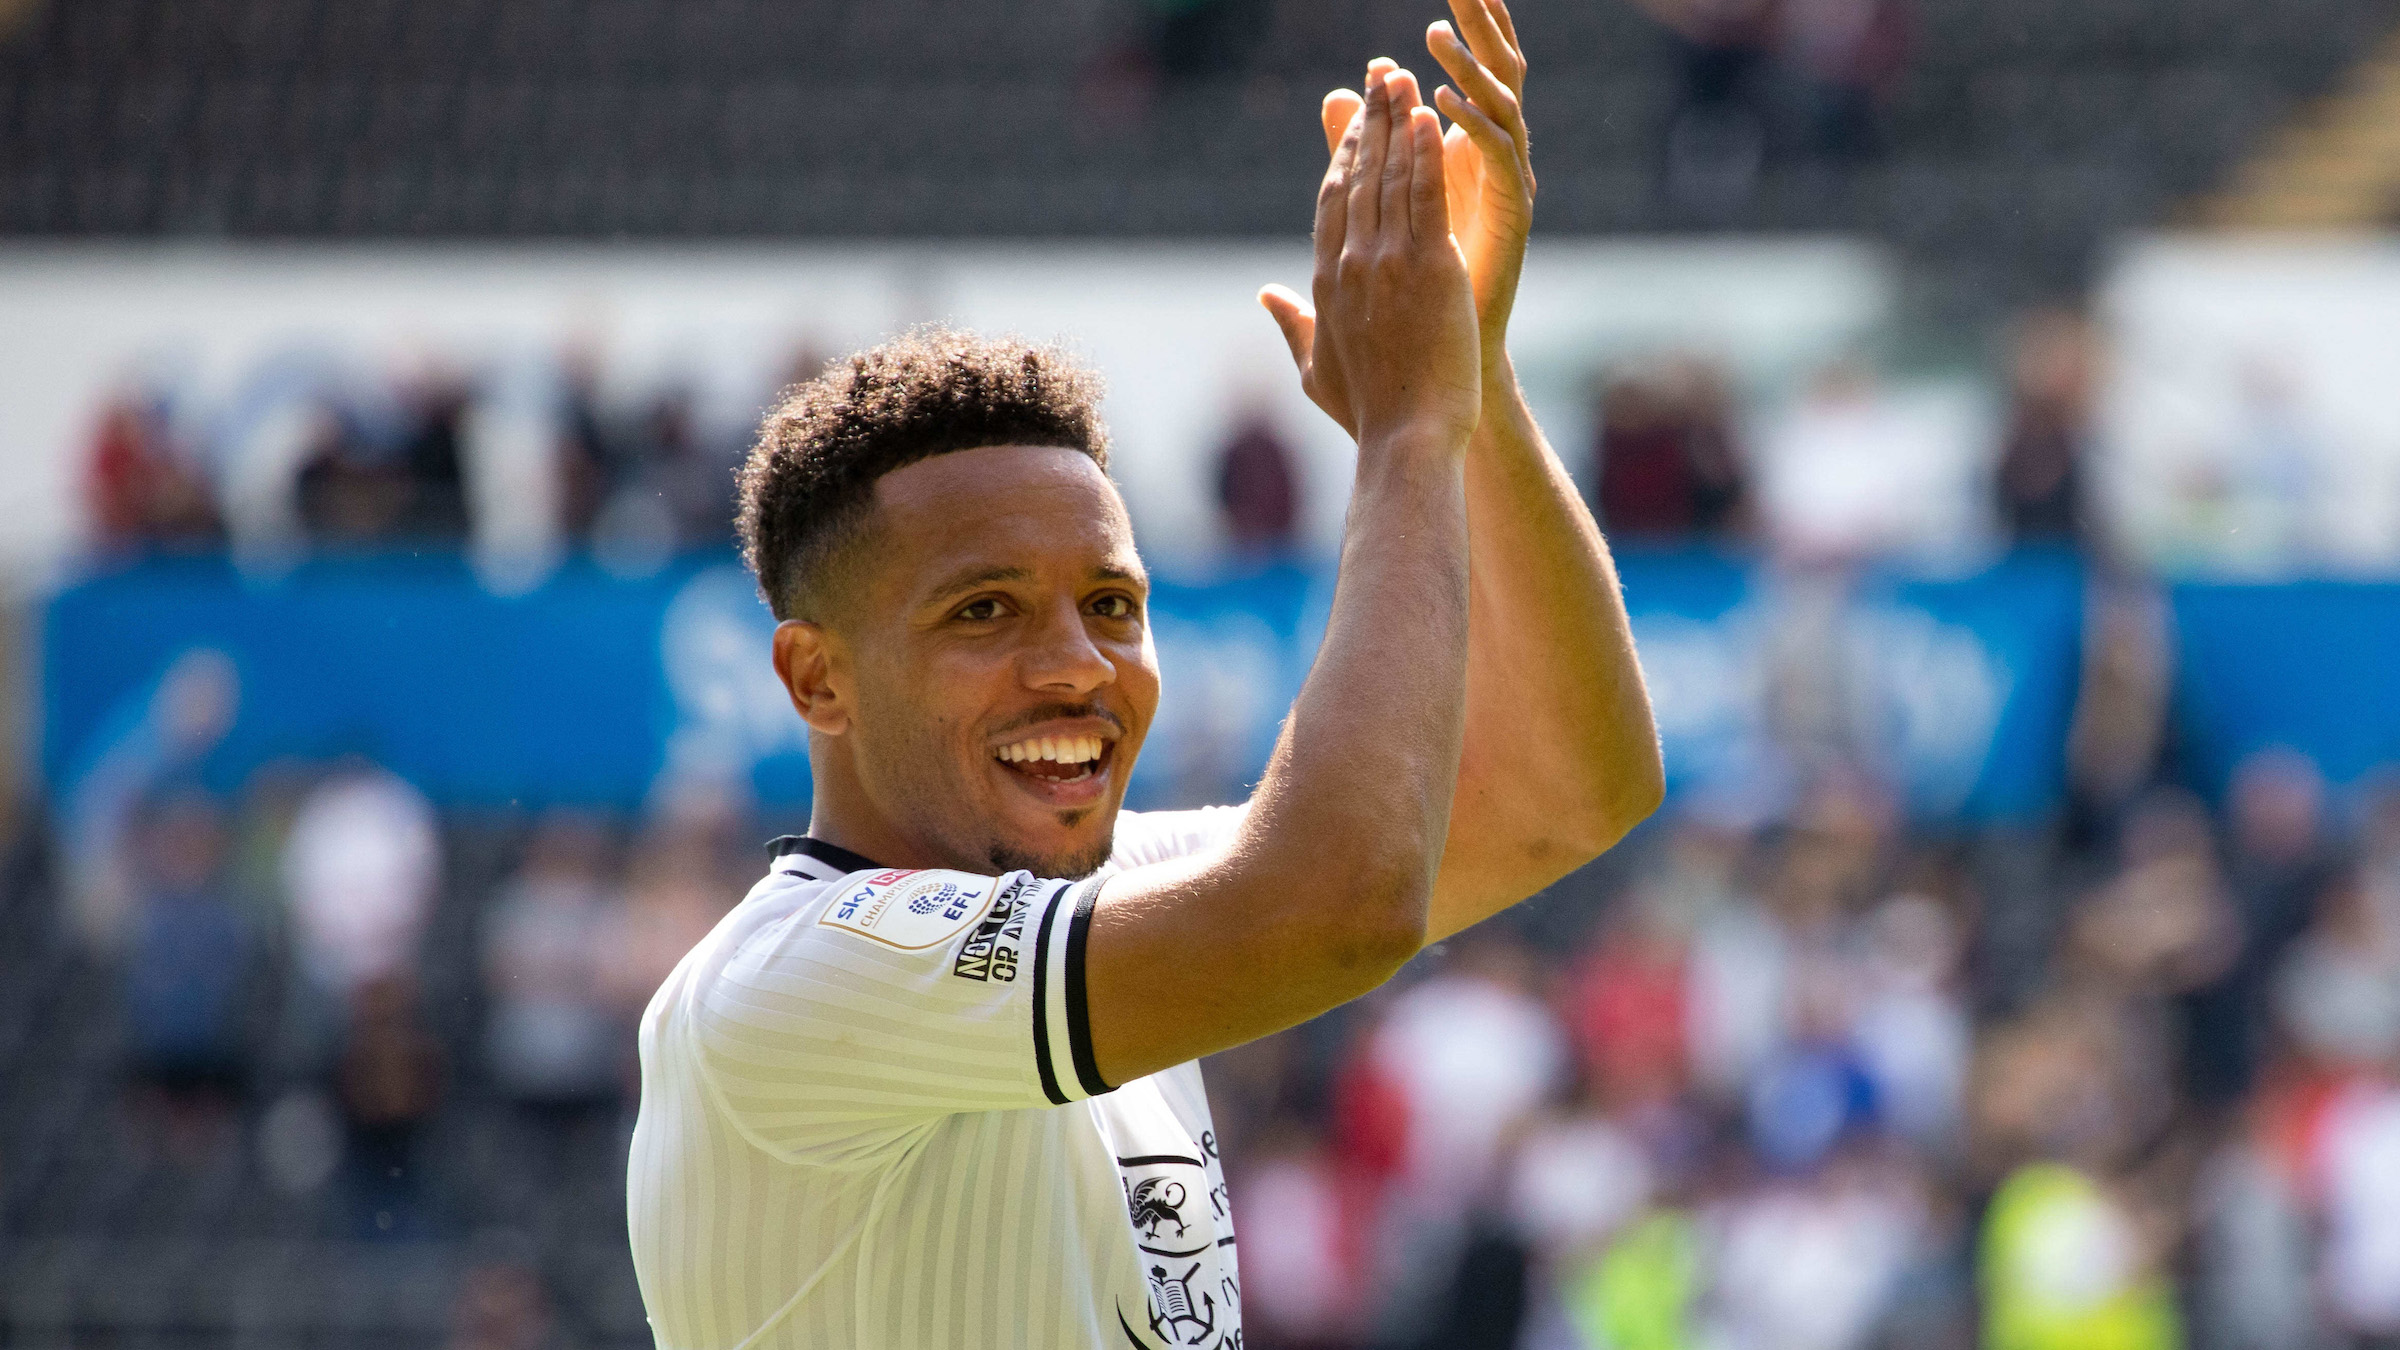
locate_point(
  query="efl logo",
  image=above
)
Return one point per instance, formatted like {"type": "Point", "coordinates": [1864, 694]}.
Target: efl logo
{"type": "Point", "coordinates": [910, 910]}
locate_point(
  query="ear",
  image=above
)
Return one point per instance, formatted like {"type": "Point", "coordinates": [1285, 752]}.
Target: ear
{"type": "Point", "coordinates": [806, 660]}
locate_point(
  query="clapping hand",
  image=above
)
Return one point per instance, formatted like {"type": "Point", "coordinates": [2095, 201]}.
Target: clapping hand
{"type": "Point", "coordinates": [1488, 170]}
{"type": "Point", "coordinates": [1391, 349]}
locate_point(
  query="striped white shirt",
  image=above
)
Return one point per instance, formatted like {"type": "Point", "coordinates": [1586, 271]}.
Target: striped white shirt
{"type": "Point", "coordinates": [871, 1118]}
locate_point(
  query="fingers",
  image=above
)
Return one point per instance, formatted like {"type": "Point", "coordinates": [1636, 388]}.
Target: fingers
{"type": "Point", "coordinates": [1493, 39]}
{"type": "Point", "coordinates": [1293, 316]}
{"type": "Point", "coordinates": [1502, 153]}
{"type": "Point", "coordinates": [1479, 82]}
{"type": "Point", "coordinates": [1340, 110]}
{"type": "Point", "coordinates": [1399, 165]}
{"type": "Point", "coordinates": [1333, 201]}
{"type": "Point", "coordinates": [1428, 200]}
{"type": "Point", "coordinates": [1508, 29]}
{"type": "Point", "coordinates": [1368, 169]}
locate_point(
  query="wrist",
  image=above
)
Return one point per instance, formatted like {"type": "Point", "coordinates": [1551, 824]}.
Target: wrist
{"type": "Point", "coordinates": [1499, 375]}
{"type": "Point", "coordinates": [1413, 443]}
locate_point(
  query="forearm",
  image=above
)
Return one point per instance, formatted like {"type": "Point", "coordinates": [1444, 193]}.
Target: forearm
{"type": "Point", "coordinates": [1561, 756]}
{"type": "Point", "coordinates": [1362, 778]}
{"type": "Point", "coordinates": [1324, 892]}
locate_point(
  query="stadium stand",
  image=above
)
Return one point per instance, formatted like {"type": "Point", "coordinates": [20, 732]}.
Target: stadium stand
{"type": "Point", "coordinates": [2011, 136]}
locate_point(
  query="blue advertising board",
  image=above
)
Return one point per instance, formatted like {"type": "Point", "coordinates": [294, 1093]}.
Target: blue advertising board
{"type": "Point", "coordinates": [1958, 690]}
{"type": "Point", "coordinates": [588, 688]}
{"type": "Point", "coordinates": [2310, 665]}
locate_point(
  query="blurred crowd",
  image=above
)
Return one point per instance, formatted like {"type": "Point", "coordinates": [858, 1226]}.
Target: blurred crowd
{"type": "Point", "coordinates": [1795, 1076]}
{"type": "Point", "coordinates": [1823, 1081]}
{"type": "Point", "coordinates": [392, 1026]}
{"type": "Point", "coordinates": [1845, 465]}
{"type": "Point", "coordinates": [334, 459]}
{"type": "Point", "coordinates": [1846, 461]}
{"type": "Point", "coordinates": [1775, 82]}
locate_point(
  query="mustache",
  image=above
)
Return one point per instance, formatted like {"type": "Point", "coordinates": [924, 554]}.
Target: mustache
{"type": "Point", "coordinates": [1049, 712]}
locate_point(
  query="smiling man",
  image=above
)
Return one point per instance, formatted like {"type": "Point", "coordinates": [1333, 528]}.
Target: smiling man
{"type": "Point", "coordinates": [935, 1082]}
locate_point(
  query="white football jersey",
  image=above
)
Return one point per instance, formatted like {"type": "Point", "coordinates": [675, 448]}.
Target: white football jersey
{"type": "Point", "coordinates": [871, 1118]}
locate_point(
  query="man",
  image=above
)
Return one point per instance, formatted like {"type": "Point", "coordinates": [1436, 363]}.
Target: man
{"type": "Point", "coordinates": [934, 1082]}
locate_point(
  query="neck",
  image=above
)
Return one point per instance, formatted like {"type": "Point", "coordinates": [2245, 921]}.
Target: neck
{"type": "Point", "coordinates": [842, 814]}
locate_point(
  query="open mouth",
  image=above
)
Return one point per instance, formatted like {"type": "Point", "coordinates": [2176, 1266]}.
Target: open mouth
{"type": "Point", "coordinates": [1057, 759]}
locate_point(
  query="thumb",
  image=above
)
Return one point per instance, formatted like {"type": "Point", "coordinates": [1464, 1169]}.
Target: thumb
{"type": "Point", "coordinates": [1294, 317]}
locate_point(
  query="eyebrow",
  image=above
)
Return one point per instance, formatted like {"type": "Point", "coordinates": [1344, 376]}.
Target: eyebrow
{"type": "Point", "coordinates": [981, 576]}
{"type": "Point", "coordinates": [985, 576]}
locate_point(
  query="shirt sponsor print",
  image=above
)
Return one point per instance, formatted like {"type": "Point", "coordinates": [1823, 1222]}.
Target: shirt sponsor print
{"type": "Point", "coordinates": [990, 953]}
{"type": "Point", "coordinates": [908, 910]}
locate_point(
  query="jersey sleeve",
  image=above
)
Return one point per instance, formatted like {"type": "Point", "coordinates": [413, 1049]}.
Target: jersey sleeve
{"type": "Point", "coordinates": [896, 997]}
{"type": "Point", "coordinates": [1147, 837]}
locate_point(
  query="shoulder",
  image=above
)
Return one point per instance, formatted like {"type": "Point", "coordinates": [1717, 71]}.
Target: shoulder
{"type": "Point", "coordinates": [1147, 837]}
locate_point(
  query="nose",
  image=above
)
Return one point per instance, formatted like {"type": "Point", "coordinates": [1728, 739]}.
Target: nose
{"type": "Point", "coordinates": [1063, 659]}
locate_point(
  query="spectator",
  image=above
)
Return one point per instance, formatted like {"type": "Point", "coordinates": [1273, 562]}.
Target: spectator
{"type": "Point", "coordinates": [366, 480]}
{"type": "Point", "coordinates": [1716, 137]}
{"type": "Point", "coordinates": [1843, 57]}
{"type": "Point", "coordinates": [1582, 1177]}
{"type": "Point", "coordinates": [1810, 1262]}
{"type": "Point", "coordinates": [673, 488]}
{"type": "Point", "coordinates": [2359, 1177]}
{"type": "Point", "coordinates": [1467, 1054]}
{"type": "Point", "coordinates": [2066, 1260]}
{"type": "Point", "coordinates": [1300, 1288]}
{"type": "Point", "coordinates": [502, 1303]}
{"type": "Point", "coordinates": [1627, 1006]}
{"type": "Point", "coordinates": [2338, 992]}
{"type": "Point", "coordinates": [360, 869]}
{"type": "Point", "coordinates": [1910, 1026]}
{"type": "Point", "coordinates": [1665, 460]}
{"type": "Point", "coordinates": [554, 1041]}
{"type": "Point", "coordinates": [589, 457]}
{"type": "Point", "coordinates": [687, 870]}
{"type": "Point", "coordinates": [142, 489]}
{"type": "Point", "coordinates": [391, 1078]}
{"type": "Point", "coordinates": [2114, 746]}
{"type": "Point", "coordinates": [1258, 490]}
{"type": "Point", "coordinates": [2042, 495]}
{"type": "Point", "coordinates": [2278, 856]}
{"type": "Point", "coordinates": [186, 970]}
{"type": "Point", "coordinates": [1853, 469]}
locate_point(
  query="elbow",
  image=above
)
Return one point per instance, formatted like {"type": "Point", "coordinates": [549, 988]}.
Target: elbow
{"type": "Point", "coordinates": [1644, 791]}
{"type": "Point", "coordinates": [1383, 924]}
{"type": "Point", "coordinates": [1633, 792]}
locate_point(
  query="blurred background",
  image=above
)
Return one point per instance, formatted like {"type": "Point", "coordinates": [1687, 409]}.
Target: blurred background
{"type": "Point", "coordinates": [1991, 402]}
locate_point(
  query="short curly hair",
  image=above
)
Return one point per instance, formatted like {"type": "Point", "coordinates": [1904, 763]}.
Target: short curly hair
{"type": "Point", "coordinates": [809, 480]}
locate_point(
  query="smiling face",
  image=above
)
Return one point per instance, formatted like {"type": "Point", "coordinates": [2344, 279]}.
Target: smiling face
{"type": "Point", "coordinates": [981, 689]}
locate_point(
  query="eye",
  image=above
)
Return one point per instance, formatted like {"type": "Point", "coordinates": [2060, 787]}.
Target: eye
{"type": "Point", "coordinates": [982, 610]}
{"type": "Point", "coordinates": [1114, 606]}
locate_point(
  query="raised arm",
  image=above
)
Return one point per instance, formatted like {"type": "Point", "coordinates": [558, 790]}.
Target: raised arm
{"type": "Point", "coordinates": [1324, 892]}
{"type": "Point", "coordinates": [1561, 754]}
{"type": "Point", "coordinates": [1561, 757]}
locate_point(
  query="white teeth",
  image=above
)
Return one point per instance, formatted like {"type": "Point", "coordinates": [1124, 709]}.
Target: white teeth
{"type": "Point", "coordinates": [1061, 749]}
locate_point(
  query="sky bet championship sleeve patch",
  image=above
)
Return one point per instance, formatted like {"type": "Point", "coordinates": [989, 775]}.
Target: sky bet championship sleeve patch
{"type": "Point", "coordinates": [908, 910]}
{"type": "Point", "coordinates": [990, 954]}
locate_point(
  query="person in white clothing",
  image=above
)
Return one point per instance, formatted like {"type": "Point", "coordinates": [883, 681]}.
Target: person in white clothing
{"type": "Point", "coordinates": [934, 1083]}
